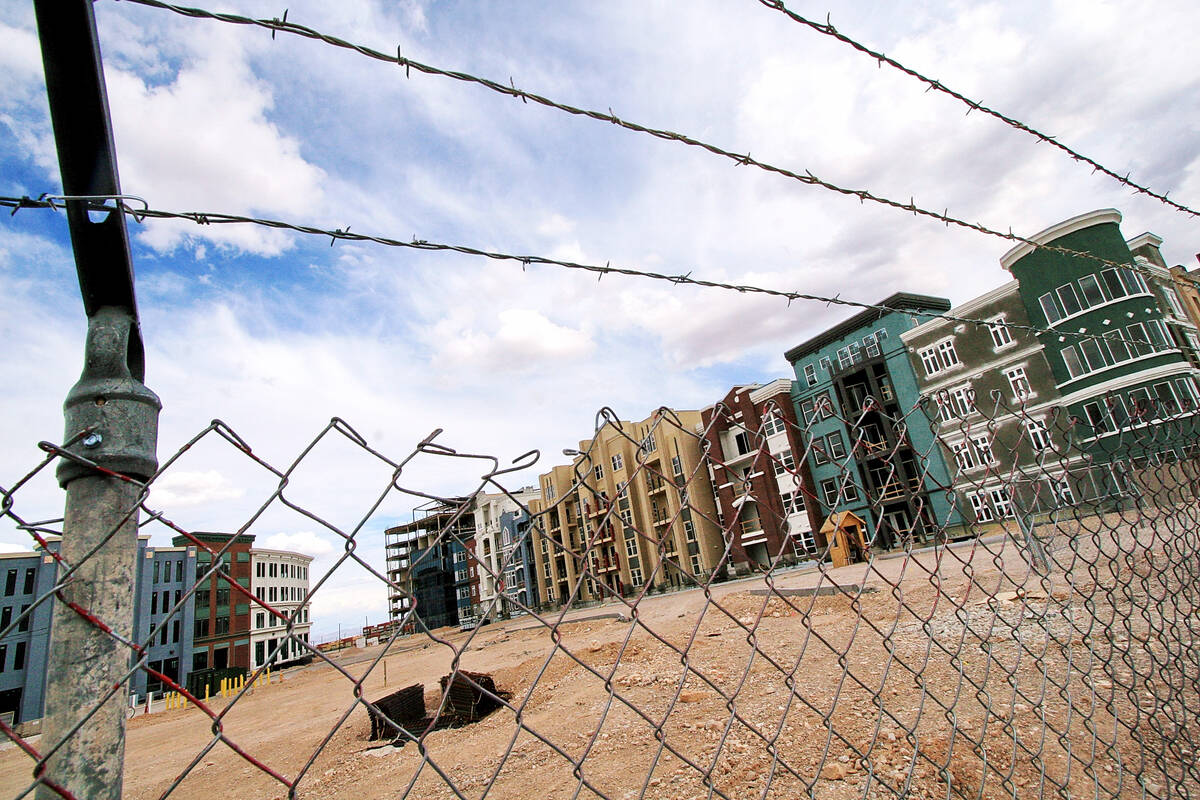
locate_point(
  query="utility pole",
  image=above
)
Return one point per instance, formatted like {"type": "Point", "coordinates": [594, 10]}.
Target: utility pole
{"type": "Point", "coordinates": [111, 423]}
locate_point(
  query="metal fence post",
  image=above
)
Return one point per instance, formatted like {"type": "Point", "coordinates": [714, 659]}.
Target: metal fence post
{"type": "Point", "coordinates": [111, 420]}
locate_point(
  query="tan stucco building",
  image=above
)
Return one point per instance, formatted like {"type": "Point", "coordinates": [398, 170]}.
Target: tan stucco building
{"type": "Point", "coordinates": [635, 507]}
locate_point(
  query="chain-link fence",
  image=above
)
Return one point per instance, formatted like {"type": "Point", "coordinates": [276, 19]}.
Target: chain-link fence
{"type": "Point", "coordinates": [1009, 618]}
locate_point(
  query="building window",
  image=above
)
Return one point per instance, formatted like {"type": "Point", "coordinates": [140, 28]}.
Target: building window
{"type": "Point", "coordinates": [929, 361]}
{"type": "Point", "coordinates": [1097, 417]}
{"type": "Point", "coordinates": [648, 444]}
{"type": "Point", "coordinates": [834, 445]}
{"type": "Point", "coordinates": [964, 400]}
{"type": "Point", "coordinates": [829, 491]}
{"type": "Point", "coordinates": [823, 406]}
{"type": "Point", "coordinates": [773, 424]}
{"type": "Point", "coordinates": [618, 462]}
{"type": "Point", "coordinates": [793, 502]}
{"type": "Point", "coordinates": [1168, 403]}
{"type": "Point", "coordinates": [1068, 298]}
{"type": "Point", "coordinates": [23, 625]}
{"type": "Point", "coordinates": [1039, 435]}
{"type": "Point", "coordinates": [871, 344]}
{"type": "Point", "coordinates": [785, 463]}
{"type": "Point", "coordinates": [1019, 383]}
{"type": "Point", "coordinates": [810, 374]}
{"type": "Point", "coordinates": [979, 504]}
{"type": "Point", "coordinates": [1093, 295]}
{"type": "Point", "coordinates": [939, 357]}
{"type": "Point", "coordinates": [1002, 502]}
{"type": "Point", "coordinates": [599, 472]}
{"type": "Point", "coordinates": [220, 625]}
{"type": "Point", "coordinates": [983, 448]}
{"type": "Point", "coordinates": [1001, 337]}
{"type": "Point", "coordinates": [19, 656]}
{"type": "Point", "coordinates": [1062, 491]}
{"type": "Point", "coordinates": [1050, 308]}
{"type": "Point", "coordinates": [1092, 354]}
{"type": "Point", "coordinates": [964, 455]}
{"type": "Point", "coordinates": [1071, 359]}
{"type": "Point", "coordinates": [156, 567]}
{"type": "Point", "coordinates": [1173, 302]}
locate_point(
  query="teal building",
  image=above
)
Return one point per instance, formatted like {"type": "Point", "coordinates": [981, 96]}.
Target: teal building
{"type": "Point", "coordinates": [870, 445]}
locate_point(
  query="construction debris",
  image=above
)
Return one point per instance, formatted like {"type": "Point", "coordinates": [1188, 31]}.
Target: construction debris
{"type": "Point", "coordinates": [400, 711]}
{"type": "Point", "coordinates": [466, 697]}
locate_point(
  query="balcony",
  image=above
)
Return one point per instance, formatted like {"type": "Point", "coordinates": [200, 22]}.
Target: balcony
{"type": "Point", "coordinates": [600, 510]}
{"type": "Point", "coordinates": [603, 565]}
{"type": "Point", "coordinates": [603, 533]}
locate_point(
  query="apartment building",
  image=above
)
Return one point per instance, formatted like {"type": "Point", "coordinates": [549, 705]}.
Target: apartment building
{"type": "Point", "coordinates": [499, 560]}
{"type": "Point", "coordinates": [871, 451]}
{"type": "Point", "coordinates": [1118, 360]}
{"type": "Point", "coordinates": [428, 565]}
{"type": "Point", "coordinates": [164, 619]}
{"type": "Point", "coordinates": [989, 391]}
{"type": "Point", "coordinates": [221, 630]}
{"type": "Point", "coordinates": [280, 579]}
{"type": "Point", "coordinates": [762, 484]}
{"type": "Point", "coordinates": [635, 508]}
{"type": "Point", "coordinates": [520, 587]}
{"type": "Point", "coordinates": [25, 642]}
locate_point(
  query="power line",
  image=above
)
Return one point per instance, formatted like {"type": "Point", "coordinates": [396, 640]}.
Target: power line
{"type": "Point", "coordinates": [827, 29]}
{"type": "Point", "coordinates": [808, 178]}
{"type": "Point", "coordinates": [335, 234]}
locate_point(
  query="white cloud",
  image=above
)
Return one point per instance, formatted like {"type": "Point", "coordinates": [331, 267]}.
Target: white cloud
{"type": "Point", "coordinates": [177, 489]}
{"type": "Point", "coordinates": [204, 142]}
{"type": "Point", "coordinates": [305, 542]}
{"type": "Point", "coordinates": [524, 340]}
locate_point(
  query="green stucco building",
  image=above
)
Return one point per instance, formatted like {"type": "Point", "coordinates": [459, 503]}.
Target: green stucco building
{"type": "Point", "coordinates": [1123, 376]}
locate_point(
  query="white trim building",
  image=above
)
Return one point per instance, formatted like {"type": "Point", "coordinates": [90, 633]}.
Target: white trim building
{"type": "Point", "coordinates": [280, 579]}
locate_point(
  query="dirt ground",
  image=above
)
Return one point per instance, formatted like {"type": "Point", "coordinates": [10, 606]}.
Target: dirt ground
{"type": "Point", "coordinates": [955, 672]}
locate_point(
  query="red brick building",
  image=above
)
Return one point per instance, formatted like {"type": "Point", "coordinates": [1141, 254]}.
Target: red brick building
{"type": "Point", "coordinates": [760, 477]}
{"type": "Point", "coordinates": [221, 636]}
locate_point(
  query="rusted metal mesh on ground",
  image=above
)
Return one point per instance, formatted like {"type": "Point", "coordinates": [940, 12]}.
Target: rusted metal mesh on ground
{"type": "Point", "coordinates": [1026, 630]}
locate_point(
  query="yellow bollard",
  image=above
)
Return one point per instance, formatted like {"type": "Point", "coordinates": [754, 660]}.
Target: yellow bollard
{"type": "Point", "coordinates": [207, 689]}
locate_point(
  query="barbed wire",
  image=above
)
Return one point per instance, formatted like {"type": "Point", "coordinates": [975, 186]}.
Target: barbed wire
{"type": "Point", "coordinates": [511, 90]}
{"type": "Point", "coordinates": [335, 234]}
{"type": "Point", "coordinates": [933, 84]}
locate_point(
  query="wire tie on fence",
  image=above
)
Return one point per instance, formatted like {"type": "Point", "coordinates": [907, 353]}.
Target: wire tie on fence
{"type": "Point", "coordinates": [517, 92]}
{"type": "Point", "coordinates": [402, 61]}
{"type": "Point", "coordinates": [338, 233]}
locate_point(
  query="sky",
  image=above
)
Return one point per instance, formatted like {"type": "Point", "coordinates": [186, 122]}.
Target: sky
{"type": "Point", "coordinates": [275, 333]}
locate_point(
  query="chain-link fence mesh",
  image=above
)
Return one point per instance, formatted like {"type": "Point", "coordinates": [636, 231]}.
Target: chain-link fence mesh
{"type": "Point", "coordinates": [1009, 617]}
